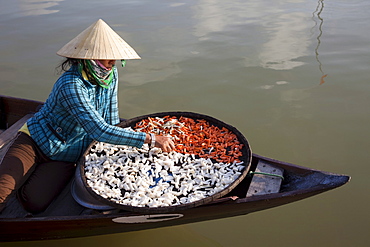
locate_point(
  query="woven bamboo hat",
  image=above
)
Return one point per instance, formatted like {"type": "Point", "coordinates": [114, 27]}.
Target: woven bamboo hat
{"type": "Point", "coordinates": [98, 41]}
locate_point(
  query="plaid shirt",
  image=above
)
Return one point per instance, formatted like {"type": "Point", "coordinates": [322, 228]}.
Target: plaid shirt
{"type": "Point", "coordinates": [75, 114]}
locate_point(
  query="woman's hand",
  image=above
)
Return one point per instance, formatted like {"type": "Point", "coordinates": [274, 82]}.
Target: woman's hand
{"type": "Point", "coordinates": [163, 142]}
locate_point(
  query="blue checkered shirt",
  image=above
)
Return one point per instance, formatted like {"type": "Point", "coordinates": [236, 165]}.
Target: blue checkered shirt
{"type": "Point", "coordinates": [75, 114]}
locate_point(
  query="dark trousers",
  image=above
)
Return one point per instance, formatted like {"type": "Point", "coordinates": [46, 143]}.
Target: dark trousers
{"type": "Point", "coordinates": [37, 178]}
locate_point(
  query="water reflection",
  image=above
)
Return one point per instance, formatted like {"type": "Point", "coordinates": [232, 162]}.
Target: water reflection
{"type": "Point", "coordinates": [317, 13]}
{"type": "Point", "coordinates": [288, 41]}
{"type": "Point", "coordinates": [283, 39]}
{"type": "Point", "coordinates": [295, 96]}
{"type": "Point", "coordinates": [211, 18]}
{"type": "Point", "coordinates": [38, 7]}
{"type": "Point", "coordinates": [214, 16]}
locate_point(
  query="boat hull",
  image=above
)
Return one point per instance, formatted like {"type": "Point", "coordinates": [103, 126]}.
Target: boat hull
{"type": "Point", "coordinates": [56, 227]}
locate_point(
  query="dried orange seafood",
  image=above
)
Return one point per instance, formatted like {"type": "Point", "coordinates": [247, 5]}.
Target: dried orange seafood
{"type": "Point", "coordinates": [196, 136]}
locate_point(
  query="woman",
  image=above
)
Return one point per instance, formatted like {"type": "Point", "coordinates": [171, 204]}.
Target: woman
{"type": "Point", "coordinates": [81, 107]}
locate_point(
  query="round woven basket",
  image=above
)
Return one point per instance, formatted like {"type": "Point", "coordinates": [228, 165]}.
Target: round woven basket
{"type": "Point", "coordinates": [246, 158]}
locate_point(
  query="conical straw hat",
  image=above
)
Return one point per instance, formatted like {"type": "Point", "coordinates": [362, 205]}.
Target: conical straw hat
{"type": "Point", "coordinates": [98, 41]}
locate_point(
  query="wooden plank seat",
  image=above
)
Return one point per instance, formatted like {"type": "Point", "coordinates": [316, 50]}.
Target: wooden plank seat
{"type": "Point", "coordinates": [266, 179]}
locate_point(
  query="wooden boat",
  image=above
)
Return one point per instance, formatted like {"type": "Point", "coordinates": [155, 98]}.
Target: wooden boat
{"type": "Point", "coordinates": [65, 218]}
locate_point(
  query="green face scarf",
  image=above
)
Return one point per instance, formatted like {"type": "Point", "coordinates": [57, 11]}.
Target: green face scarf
{"type": "Point", "coordinates": [102, 76]}
{"type": "Point", "coordinates": [98, 72]}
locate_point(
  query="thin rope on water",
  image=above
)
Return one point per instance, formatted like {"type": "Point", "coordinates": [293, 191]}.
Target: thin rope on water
{"type": "Point", "coordinates": [267, 174]}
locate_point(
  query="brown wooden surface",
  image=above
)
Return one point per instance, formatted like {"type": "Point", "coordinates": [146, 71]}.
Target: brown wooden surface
{"type": "Point", "coordinates": [263, 184]}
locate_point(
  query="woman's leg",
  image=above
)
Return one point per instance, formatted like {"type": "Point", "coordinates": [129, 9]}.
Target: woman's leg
{"type": "Point", "coordinates": [44, 184]}
{"type": "Point", "coordinates": [16, 166]}
{"type": "Point", "coordinates": [38, 178]}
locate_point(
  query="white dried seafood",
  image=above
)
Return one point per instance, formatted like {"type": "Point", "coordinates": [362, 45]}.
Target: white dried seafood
{"type": "Point", "coordinates": [144, 177]}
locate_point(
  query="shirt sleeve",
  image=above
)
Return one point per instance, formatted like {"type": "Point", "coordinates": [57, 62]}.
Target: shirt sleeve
{"type": "Point", "coordinates": [76, 101]}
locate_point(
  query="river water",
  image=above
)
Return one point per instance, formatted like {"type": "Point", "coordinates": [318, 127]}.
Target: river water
{"type": "Point", "coordinates": [291, 75]}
